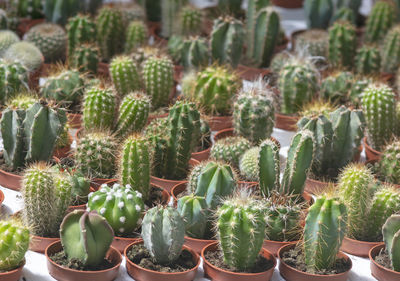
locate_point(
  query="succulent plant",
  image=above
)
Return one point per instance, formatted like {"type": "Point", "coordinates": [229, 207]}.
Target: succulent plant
{"type": "Point", "coordinates": [32, 9]}
{"type": "Point", "coordinates": [153, 10]}
{"type": "Point", "coordinates": [86, 58]}
{"type": "Point", "coordinates": [314, 42]}
{"type": "Point", "coordinates": [190, 53]}
{"type": "Point", "coordinates": [344, 14]}
{"type": "Point", "coordinates": [391, 235]}
{"type": "Point", "coordinates": [391, 50]}
{"type": "Point", "coordinates": [190, 21]}
{"type": "Point", "coordinates": [387, 166]}
{"type": "Point", "coordinates": [336, 87]}
{"type": "Point", "coordinates": [232, 6]}
{"type": "Point", "coordinates": [169, 14]}
{"type": "Point", "coordinates": [342, 44]}
{"type": "Point", "coordinates": [136, 36]}
{"type": "Point", "coordinates": [195, 214]}
{"type": "Point", "coordinates": [248, 164]}
{"type": "Point", "coordinates": [7, 38]}
{"type": "Point", "coordinates": [380, 20]}
{"type": "Point", "coordinates": [26, 53]}
{"type": "Point", "coordinates": [124, 74]}
{"type": "Point", "coordinates": [78, 240]}
{"type": "Point", "coordinates": [163, 232]}
{"type": "Point", "coordinates": [230, 149]}
{"type": "Point", "coordinates": [59, 11]}
{"type": "Point", "coordinates": [354, 5]}
{"type": "Point", "coordinates": [368, 60]}
{"type": "Point", "coordinates": [278, 61]}
{"type": "Point", "coordinates": [80, 188]}
{"type": "Point", "coordinates": [80, 29]}
{"type": "Point", "coordinates": [318, 13]}
{"type": "Point", "coordinates": [13, 79]}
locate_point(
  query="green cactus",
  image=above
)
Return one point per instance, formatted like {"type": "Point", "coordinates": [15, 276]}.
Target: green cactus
{"type": "Point", "coordinates": [239, 217]}
{"type": "Point", "coordinates": [86, 58]}
{"type": "Point", "coordinates": [59, 11]}
{"type": "Point", "coordinates": [86, 237]}
{"type": "Point", "coordinates": [170, 10]}
{"type": "Point", "coordinates": [227, 40]}
{"type": "Point", "coordinates": [80, 188]}
{"type": "Point", "coordinates": [142, 54]}
{"type": "Point", "coordinates": [342, 44]}
{"type": "Point", "coordinates": [26, 53]}
{"type": "Point", "coordinates": [318, 13]}
{"type": "Point", "coordinates": [368, 60]}
{"type": "Point", "coordinates": [314, 42]}
{"type": "Point", "coordinates": [391, 235]}
{"type": "Point", "coordinates": [153, 10]}
{"type": "Point", "coordinates": [22, 101]}
{"type": "Point", "coordinates": [380, 20]}
{"type": "Point", "coordinates": [190, 53]}
{"type": "Point", "coordinates": [7, 38]}
{"type": "Point", "coordinates": [387, 166]}
{"type": "Point", "coordinates": [230, 149]}
{"type": "Point", "coordinates": [136, 36]}
{"type": "Point", "coordinates": [120, 205]}
{"type": "Point", "coordinates": [163, 232]}
{"type": "Point", "coordinates": [13, 80]}
{"type": "Point", "coordinates": [336, 86]}
{"type": "Point", "coordinates": [195, 214]}
{"type": "Point", "coordinates": [379, 106]}
{"type": "Point", "coordinates": [14, 243]}
{"type": "Point", "coordinates": [124, 75]}
{"type": "Point", "coordinates": [32, 9]}
{"type": "Point", "coordinates": [391, 50]}
{"type": "Point", "coordinates": [344, 14]}
{"type": "Point", "coordinates": [80, 29]}
{"type": "Point", "coordinates": [3, 19]}
{"type": "Point", "coordinates": [354, 5]}
{"type": "Point", "coordinates": [248, 164]}
{"type": "Point", "coordinates": [232, 6]}
{"type": "Point", "coordinates": [158, 76]}
{"type": "Point", "coordinates": [278, 61]}
{"type": "Point", "coordinates": [190, 21]}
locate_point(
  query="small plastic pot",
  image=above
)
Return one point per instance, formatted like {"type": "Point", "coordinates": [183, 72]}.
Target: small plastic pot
{"type": "Point", "coordinates": [380, 272]}
{"type": "Point", "coordinates": [370, 153]}
{"type": "Point", "coordinates": [229, 132]}
{"type": "Point", "coordinates": [12, 275]}
{"type": "Point", "coordinates": [103, 69]}
{"type": "Point", "coordinates": [357, 248]}
{"type": "Point", "coordinates": [78, 207]}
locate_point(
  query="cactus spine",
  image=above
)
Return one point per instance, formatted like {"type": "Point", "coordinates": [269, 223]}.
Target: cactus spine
{"type": "Point", "coordinates": [124, 75]}
{"type": "Point", "coordinates": [80, 29]}
{"type": "Point", "coordinates": [230, 149]}
{"type": "Point", "coordinates": [380, 20]}
{"type": "Point", "coordinates": [248, 164]}
{"type": "Point", "coordinates": [136, 36]}
{"type": "Point", "coordinates": [195, 214]}
{"type": "Point", "coordinates": [391, 50]}
{"type": "Point", "coordinates": [13, 79]}
{"type": "Point", "coordinates": [342, 44]}
{"type": "Point", "coordinates": [7, 38]}
{"type": "Point", "coordinates": [86, 58]}
{"type": "Point", "coordinates": [318, 13]}
{"type": "Point", "coordinates": [169, 13]}
{"type": "Point", "coordinates": [368, 60]}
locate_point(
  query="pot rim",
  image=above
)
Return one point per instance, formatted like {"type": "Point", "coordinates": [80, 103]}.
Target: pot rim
{"type": "Point", "coordinates": [381, 245]}
{"type": "Point", "coordinates": [1, 196]}
{"type": "Point", "coordinates": [361, 242]}
{"type": "Point", "coordinates": [367, 146]}
{"type": "Point", "coordinates": [15, 269]}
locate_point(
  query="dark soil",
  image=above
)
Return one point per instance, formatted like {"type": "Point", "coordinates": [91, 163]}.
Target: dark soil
{"type": "Point", "coordinates": [295, 258]}
{"type": "Point", "coordinates": [61, 259]}
{"type": "Point", "coordinates": [216, 258]}
{"type": "Point", "coordinates": [140, 255]}
{"type": "Point", "coordinates": [4, 167]}
{"type": "Point", "coordinates": [383, 259]}
{"type": "Point", "coordinates": [156, 197]}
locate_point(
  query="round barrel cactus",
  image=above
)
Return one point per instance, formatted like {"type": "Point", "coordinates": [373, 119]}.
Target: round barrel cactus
{"type": "Point", "coordinates": [342, 44]}
{"type": "Point", "coordinates": [86, 58]}
{"type": "Point", "coordinates": [124, 74]}
{"type": "Point", "coordinates": [248, 164]}
{"type": "Point", "coordinates": [230, 149]}
{"type": "Point", "coordinates": [136, 36]}
{"type": "Point", "coordinates": [26, 53]}
{"type": "Point", "coordinates": [7, 38]}
{"type": "Point", "coordinates": [314, 42]}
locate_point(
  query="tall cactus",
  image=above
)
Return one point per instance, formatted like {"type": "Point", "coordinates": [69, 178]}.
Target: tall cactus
{"type": "Point", "coordinates": [169, 13]}
{"type": "Point", "coordinates": [380, 20]}
{"type": "Point", "coordinates": [124, 74]}
{"type": "Point", "coordinates": [58, 11]}
{"type": "Point", "coordinates": [13, 79]}
{"type": "Point", "coordinates": [31, 9]}
{"type": "Point", "coordinates": [136, 36]}
{"type": "Point", "coordinates": [86, 58]}
{"type": "Point", "coordinates": [318, 13]}
{"type": "Point", "coordinates": [253, 7]}
{"type": "Point", "coordinates": [368, 60]}
{"type": "Point", "coordinates": [191, 21]}
{"type": "Point", "coordinates": [391, 234]}
{"type": "Point", "coordinates": [80, 29]}
{"type": "Point", "coordinates": [195, 214]}
{"type": "Point", "coordinates": [391, 50]}
{"type": "Point", "coordinates": [342, 44]}
{"type": "Point", "coordinates": [387, 166]}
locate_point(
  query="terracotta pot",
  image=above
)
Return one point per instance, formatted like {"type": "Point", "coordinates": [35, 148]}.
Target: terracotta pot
{"type": "Point", "coordinates": [74, 120]}
{"type": "Point", "coordinates": [97, 182]}
{"type": "Point", "coordinates": [141, 274]}
{"type": "Point", "coordinates": [288, 4]}
{"type": "Point", "coordinates": [12, 275]}
{"type": "Point", "coordinates": [286, 122]}
{"type": "Point", "coordinates": [1, 197]}
{"type": "Point", "coordinates": [219, 274]}
{"type": "Point", "coordinates": [274, 246]}
{"type": "Point", "coordinates": [176, 190]}
{"type": "Point", "coordinates": [292, 274]}
{"type": "Point", "coordinates": [357, 248]}
{"type": "Point", "coordinates": [370, 153]}
{"type": "Point", "coordinates": [25, 24]}
{"type": "Point", "coordinates": [218, 123]}
{"type": "Point", "coordinates": [120, 243]}
{"type": "Point", "coordinates": [152, 117]}
{"type": "Point", "coordinates": [79, 207]}
{"type": "Point", "coordinates": [251, 73]}
{"type": "Point", "coordinates": [64, 152]}
{"type": "Point", "coordinates": [39, 244]}
{"type": "Point", "coordinates": [66, 274]}
{"type": "Point", "coordinates": [380, 272]}
{"type": "Point", "coordinates": [103, 69]}
{"type": "Point", "coordinates": [315, 186]}
{"type": "Point", "coordinates": [230, 132]}
{"type": "Point", "coordinates": [34, 76]}
{"type": "Point", "coordinates": [201, 155]}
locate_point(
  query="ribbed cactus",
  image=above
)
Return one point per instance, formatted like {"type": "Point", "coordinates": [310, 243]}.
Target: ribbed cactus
{"type": "Point", "coordinates": [14, 242]}
{"type": "Point", "coordinates": [95, 154]}
{"type": "Point", "coordinates": [344, 14]}
{"type": "Point", "coordinates": [391, 234]}
{"type": "Point", "coordinates": [153, 10]}
{"type": "Point", "coordinates": [391, 50]}
{"type": "Point", "coordinates": [380, 20]}
{"type": "Point", "coordinates": [110, 32]}
{"type": "Point", "coordinates": [190, 21]}
{"type": "Point", "coordinates": [169, 14]}
{"type": "Point", "coordinates": [368, 60]}
{"type": "Point", "coordinates": [190, 53]}
{"type": "Point", "coordinates": [379, 107]}
{"type": "Point", "coordinates": [342, 44]}
{"type": "Point", "coordinates": [227, 40]}
{"type": "Point", "coordinates": [158, 76]}
{"type": "Point", "coordinates": [98, 108]}
{"type": "Point", "coordinates": [336, 87]}
{"type": "Point", "coordinates": [80, 188]}
{"type": "Point", "coordinates": [120, 205]}
{"type": "Point", "coordinates": [278, 61]}
{"type": "Point", "coordinates": [86, 237]}
{"type": "Point", "coordinates": [26, 53]}
{"type": "Point", "coordinates": [135, 164]}
{"type": "Point", "coordinates": [7, 38]}
{"type": "Point", "coordinates": [230, 149]}
{"type": "Point", "coordinates": [254, 114]}
{"type": "Point", "coordinates": [248, 165]}
{"type": "Point", "coordinates": [241, 230]}
{"type": "Point", "coordinates": [124, 74]}
{"type": "Point", "coordinates": [215, 89]}
{"type": "Point", "coordinates": [324, 231]}
{"type": "Point", "coordinates": [80, 29]}
{"type": "Point", "coordinates": [298, 83]}
{"type": "Point", "coordinates": [318, 13]}
{"type": "Point", "coordinates": [13, 79]}
{"type": "Point", "coordinates": [314, 42]}
{"type": "Point", "coordinates": [131, 12]}
{"type": "Point", "coordinates": [58, 11]}
{"type": "Point", "coordinates": [136, 36]}
{"type": "Point", "coordinates": [195, 214]}
{"type": "Point", "coordinates": [163, 232]}
{"type": "Point", "coordinates": [86, 58]}
{"type": "Point", "coordinates": [32, 9]}
{"type": "Point", "coordinates": [388, 167]}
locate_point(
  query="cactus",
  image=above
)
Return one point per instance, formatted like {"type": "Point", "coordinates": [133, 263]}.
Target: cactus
{"type": "Point", "coordinates": [230, 149]}
{"type": "Point", "coordinates": [190, 21]}
{"type": "Point", "coordinates": [335, 87]}
{"type": "Point", "coordinates": [158, 76]}
{"type": "Point", "coordinates": [163, 232]}
{"type": "Point", "coordinates": [86, 237]}
{"type": "Point", "coordinates": [215, 89]}
{"type": "Point", "coordinates": [387, 166]}
{"type": "Point", "coordinates": [191, 52]}
{"type": "Point", "coordinates": [195, 214]}
{"type": "Point", "coordinates": [135, 165]}
{"type": "Point", "coordinates": [391, 235]}
{"type": "Point", "coordinates": [169, 13]}
{"type": "Point", "coordinates": [3, 19]}
{"type": "Point", "coordinates": [254, 114]}
{"type": "Point", "coordinates": [59, 11]}
{"type": "Point", "coordinates": [136, 36]}
{"type": "Point", "coordinates": [318, 13]}
{"type": "Point", "coordinates": [391, 50]}
{"type": "Point", "coordinates": [278, 62]}
{"type": "Point", "coordinates": [95, 154]}
{"type": "Point", "coordinates": [314, 42]}
{"type": "Point", "coordinates": [342, 44]}
{"type": "Point", "coordinates": [32, 9]}
{"type": "Point", "coordinates": [120, 205]}
{"type": "Point", "coordinates": [110, 32]}
{"type": "Point", "coordinates": [22, 101]}
{"type": "Point", "coordinates": [344, 14]}
{"type": "Point", "coordinates": [14, 242]}
{"type": "Point", "coordinates": [13, 79]}
{"type": "Point", "coordinates": [7, 38]}
{"type": "Point", "coordinates": [124, 75]}
{"type": "Point", "coordinates": [142, 54]}
{"type": "Point", "coordinates": [248, 164]}
{"type": "Point", "coordinates": [239, 217]}
{"type": "Point", "coordinates": [153, 10]}
{"type": "Point", "coordinates": [131, 12]}
{"type": "Point", "coordinates": [98, 108]}
{"type": "Point", "coordinates": [368, 60]}
{"type": "Point", "coordinates": [227, 40]}
{"type": "Point", "coordinates": [80, 188]}
{"type": "Point", "coordinates": [379, 21]}
{"type": "Point", "coordinates": [86, 58]}
{"type": "Point", "coordinates": [26, 53]}
{"type": "Point", "coordinates": [298, 83]}
{"type": "Point", "coordinates": [379, 106]}
{"type": "Point", "coordinates": [324, 231]}
{"type": "Point", "coordinates": [354, 5]}
{"type": "Point", "coordinates": [80, 29]}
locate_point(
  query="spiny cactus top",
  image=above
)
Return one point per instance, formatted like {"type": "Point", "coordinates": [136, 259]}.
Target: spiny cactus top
{"type": "Point", "coordinates": [391, 50]}
{"type": "Point", "coordinates": [191, 20]}
{"type": "Point", "coordinates": [13, 79]}
{"type": "Point", "coordinates": [342, 44]}
{"type": "Point", "coordinates": [80, 29]}
{"type": "Point", "coordinates": [124, 74]}
{"type": "Point", "coordinates": [248, 164]}
{"type": "Point", "coordinates": [7, 38]}
{"type": "Point", "coordinates": [314, 42]}
{"type": "Point", "coordinates": [26, 53]}
{"type": "Point", "coordinates": [388, 166]}
{"type": "Point", "coordinates": [230, 149]}
{"type": "Point", "coordinates": [136, 36]}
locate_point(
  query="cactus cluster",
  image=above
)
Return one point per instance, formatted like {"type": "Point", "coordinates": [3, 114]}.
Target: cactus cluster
{"type": "Point", "coordinates": [344, 14]}
{"type": "Point", "coordinates": [230, 149]}
{"type": "Point", "coordinates": [391, 236]}
{"type": "Point", "coordinates": [380, 20]}
{"type": "Point", "coordinates": [342, 44]}
{"type": "Point", "coordinates": [368, 60]}
{"type": "Point", "coordinates": [80, 29]}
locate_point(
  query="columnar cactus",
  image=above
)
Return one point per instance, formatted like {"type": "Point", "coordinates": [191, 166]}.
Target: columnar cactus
{"type": "Point", "coordinates": [169, 13]}
{"type": "Point", "coordinates": [158, 76]}
{"type": "Point", "coordinates": [14, 242]}
{"type": "Point", "coordinates": [153, 10]}
{"type": "Point", "coordinates": [391, 234]}
{"type": "Point", "coordinates": [135, 164]}
{"type": "Point", "coordinates": [191, 52]}
{"type": "Point", "coordinates": [32, 9]}
{"type": "Point", "coordinates": [368, 60]}
{"type": "Point", "coordinates": [230, 149]}
{"type": "Point", "coordinates": [391, 50]}
{"type": "Point", "coordinates": [248, 165]}
{"type": "Point", "coordinates": [120, 205]}
{"type": "Point", "coordinates": [78, 241]}
{"type": "Point", "coordinates": [379, 107]}
{"type": "Point", "coordinates": [26, 53]}
{"type": "Point", "coordinates": [7, 38]}
{"type": "Point", "coordinates": [344, 14]}
{"type": "Point", "coordinates": [324, 231]}
{"type": "Point", "coordinates": [86, 58]}
{"type": "Point", "coordinates": [124, 74]}
{"type": "Point", "coordinates": [190, 20]}
{"type": "Point", "coordinates": [239, 217]}
{"type": "Point", "coordinates": [253, 7]}
{"type": "Point", "coordinates": [342, 44]}
{"type": "Point", "coordinates": [388, 167]}
{"type": "Point", "coordinates": [13, 79]}
{"type": "Point", "coordinates": [318, 13]}
{"type": "Point", "coordinates": [59, 11]}
{"type": "Point", "coordinates": [195, 214]}
{"type": "Point", "coordinates": [380, 20]}
{"type": "Point", "coordinates": [136, 36]}
{"type": "Point", "coordinates": [314, 42]}
{"type": "Point", "coordinates": [163, 232]}
{"type": "Point", "coordinates": [278, 61]}
{"type": "Point", "coordinates": [227, 40]}
{"type": "Point", "coordinates": [80, 29]}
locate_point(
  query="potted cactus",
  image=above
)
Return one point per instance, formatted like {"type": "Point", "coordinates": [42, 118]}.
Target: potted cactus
{"type": "Point", "coordinates": [80, 254]}
{"type": "Point", "coordinates": [161, 254]}
{"type": "Point", "coordinates": [387, 168]}
{"type": "Point", "coordinates": [79, 191]}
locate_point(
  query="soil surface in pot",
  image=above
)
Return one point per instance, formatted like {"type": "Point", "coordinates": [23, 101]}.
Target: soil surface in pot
{"type": "Point", "coordinates": [19, 171]}
{"type": "Point", "coordinates": [141, 256]}
{"type": "Point", "coordinates": [156, 196]}
{"type": "Point", "coordinates": [295, 258]}
{"type": "Point", "coordinates": [61, 259]}
{"type": "Point", "coordinates": [216, 259]}
{"type": "Point", "coordinates": [383, 259]}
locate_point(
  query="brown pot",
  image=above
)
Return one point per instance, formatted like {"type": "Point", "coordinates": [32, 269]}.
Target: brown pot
{"type": "Point", "coordinates": [219, 274]}
{"type": "Point", "coordinates": [97, 182]}
{"type": "Point", "coordinates": [34, 76]}
{"type": "Point", "coordinates": [176, 190]}
{"type": "Point", "coordinates": [25, 24]}
{"type": "Point", "coordinates": [64, 152]}
{"type": "Point", "coordinates": [292, 274]}
{"type": "Point", "coordinates": [288, 4]}
{"type": "Point", "coordinates": [201, 155]}
{"type": "Point", "coordinates": [380, 272]}
{"type": "Point", "coordinates": [274, 246]}
{"type": "Point", "coordinates": [66, 274]}
{"type": "Point", "coordinates": [103, 69]}
{"type": "Point", "coordinates": [39, 244]}
{"type": "Point", "coordinates": [141, 274]}
{"type": "Point", "coordinates": [218, 123]}
{"type": "Point", "coordinates": [74, 120]}
{"type": "Point", "coordinates": [230, 132]}
{"type": "Point", "coordinates": [357, 248]}
{"type": "Point", "coordinates": [10, 180]}
{"type": "Point", "coordinates": [12, 275]}
{"type": "Point", "coordinates": [370, 153]}
{"type": "Point", "coordinates": [79, 207]}
{"type": "Point", "coordinates": [152, 117]}
{"type": "Point", "coordinates": [1, 197]}
{"type": "Point", "coordinates": [251, 73]}
{"type": "Point", "coordinates": [286, 122]}
{"type": "Point", "coordinates": [120, 243]}
{"type": "Point", "coordinates": [315, 186]}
